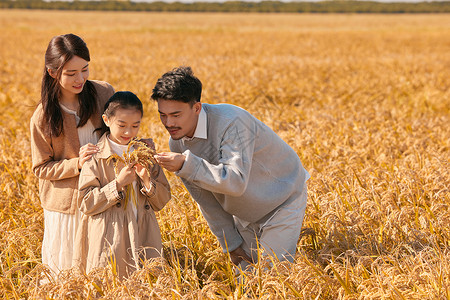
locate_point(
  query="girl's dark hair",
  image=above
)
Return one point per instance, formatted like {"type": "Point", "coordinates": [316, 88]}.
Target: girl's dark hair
{"type": "Point", "coordinates": [180, 84]}
{"type": "Point", "coordinates": [121, 100]}
{"type": "Point", "coordinates": [60, 50]}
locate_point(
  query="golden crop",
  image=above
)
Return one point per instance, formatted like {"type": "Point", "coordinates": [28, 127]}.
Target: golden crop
{"type": "Point", "coordinates": [143, 155]}
{"type": "Point", "coordinates": [363, 99]}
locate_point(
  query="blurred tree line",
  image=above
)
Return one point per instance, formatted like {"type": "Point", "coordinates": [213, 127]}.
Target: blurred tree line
{"type": "Point", "coordinates": [236, 6]}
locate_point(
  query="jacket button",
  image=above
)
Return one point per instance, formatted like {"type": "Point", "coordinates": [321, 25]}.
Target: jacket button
{"type": "Point", "coordinates": [147, 207]}
{"type": "Point", "coordinates": [118, 204]}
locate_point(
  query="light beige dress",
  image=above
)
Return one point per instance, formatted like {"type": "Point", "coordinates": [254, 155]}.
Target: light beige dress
{"type": "Point", "coordinates": [110, 231]}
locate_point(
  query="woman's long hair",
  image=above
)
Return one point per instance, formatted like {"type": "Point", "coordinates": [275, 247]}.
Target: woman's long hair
{"type": "Point", "coordinates": [60, 50]}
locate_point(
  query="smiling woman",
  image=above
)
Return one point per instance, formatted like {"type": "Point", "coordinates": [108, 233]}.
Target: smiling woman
{"type": "Point", "coordinates": [73, 77]}
{"type": "Point", "coordinates": [63, 138]}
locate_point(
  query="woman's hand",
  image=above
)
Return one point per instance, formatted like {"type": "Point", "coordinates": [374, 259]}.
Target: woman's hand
{"type": "Point", "coordinates": [85, 153]}
{"type": "Point", "coordinates": [126, 176]}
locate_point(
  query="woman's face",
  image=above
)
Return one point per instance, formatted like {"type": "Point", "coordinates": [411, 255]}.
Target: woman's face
{"type": "Point", "coordinates": [74, 75]}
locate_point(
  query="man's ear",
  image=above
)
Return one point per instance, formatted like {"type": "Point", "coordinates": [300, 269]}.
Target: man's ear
{"type": "Point", "coordinates": [51, 72]}
{"type": "Point", "coordinates": [197, 107]}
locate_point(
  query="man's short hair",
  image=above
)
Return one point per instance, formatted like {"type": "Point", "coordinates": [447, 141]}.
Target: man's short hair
{"type": "Point", "coordinates": [180, 84]}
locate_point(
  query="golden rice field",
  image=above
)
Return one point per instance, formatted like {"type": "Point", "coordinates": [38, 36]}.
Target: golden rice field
{"type": "Point", "coordinates": [363, 99]}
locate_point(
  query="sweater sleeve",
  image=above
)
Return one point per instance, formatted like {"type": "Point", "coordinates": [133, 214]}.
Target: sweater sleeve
{"type": "Point", "coordinates": [159, 193]}
{"type": "Point", "coordinates": [94, 198]}
{"type": "Point", "coordinates": [43, 164]}
{"type": "Point", "coordinates": [231, 175]}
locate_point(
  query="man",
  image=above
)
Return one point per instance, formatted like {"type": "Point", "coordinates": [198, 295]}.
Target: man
{"type": "Point", "coordinates": [249, 184]}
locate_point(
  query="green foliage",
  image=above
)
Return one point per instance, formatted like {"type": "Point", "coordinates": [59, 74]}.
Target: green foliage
{"type": "Point", "coordinates": [236, 6]}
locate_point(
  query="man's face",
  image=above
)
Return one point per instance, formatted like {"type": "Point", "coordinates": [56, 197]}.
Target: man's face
{"type": "Point", "coordinates": [179, 118]}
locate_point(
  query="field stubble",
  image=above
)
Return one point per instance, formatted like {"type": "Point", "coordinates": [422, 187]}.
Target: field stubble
{"type": "Point", "coordinates": [363, 99]}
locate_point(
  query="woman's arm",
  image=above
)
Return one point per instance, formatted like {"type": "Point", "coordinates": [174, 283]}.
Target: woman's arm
{"type": "Point", "coordinates": [43, 164]}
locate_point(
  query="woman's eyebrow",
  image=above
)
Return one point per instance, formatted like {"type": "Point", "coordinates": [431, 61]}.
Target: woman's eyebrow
{"type": "Point", "coordinates": [77, 70]}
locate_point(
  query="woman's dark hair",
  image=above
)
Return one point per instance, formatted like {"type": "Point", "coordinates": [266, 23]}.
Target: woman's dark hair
{"type": "Point", "coordinates": [121, 100]}
{"type": "Point", "coordinates": [180, 84]}
{"type": "Point", "coordinates": [60, 50]}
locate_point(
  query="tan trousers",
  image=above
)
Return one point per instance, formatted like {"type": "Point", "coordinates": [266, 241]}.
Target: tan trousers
{"type": "Point", "coordinates": [277, 234]}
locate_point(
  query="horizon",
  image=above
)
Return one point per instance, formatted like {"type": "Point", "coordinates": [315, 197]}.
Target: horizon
{"type": "Point", "coordinates": [257, 1]}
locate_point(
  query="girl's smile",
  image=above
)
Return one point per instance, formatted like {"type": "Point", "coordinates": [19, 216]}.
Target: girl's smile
{"type": "Point", "coordinates": [123, 125]}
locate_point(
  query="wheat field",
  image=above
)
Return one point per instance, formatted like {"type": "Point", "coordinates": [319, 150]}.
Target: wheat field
{"type": "Point", "coordinates": [363, 99]}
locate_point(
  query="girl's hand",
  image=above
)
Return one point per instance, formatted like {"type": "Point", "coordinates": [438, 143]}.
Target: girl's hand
{"type": "Point", "coordinates": [126, 176]}
{"type": "Point", "coordinates": [143, 174]}
{"type": "Point", "coordinates": [141, 171]}
{"type": "Point", "coordinates": [85, 153]}
{"type": "Point", "coordinates": [149, 143]}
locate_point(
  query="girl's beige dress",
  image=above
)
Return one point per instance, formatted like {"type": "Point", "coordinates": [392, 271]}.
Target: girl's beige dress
{"type": "Point", "coordinates": [109, 230]}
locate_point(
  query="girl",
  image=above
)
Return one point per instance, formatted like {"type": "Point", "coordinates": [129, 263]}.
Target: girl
{"type": "Point", "coordinates": [62, 139]}
{"type": "Point", "coordinates": [114, 229]}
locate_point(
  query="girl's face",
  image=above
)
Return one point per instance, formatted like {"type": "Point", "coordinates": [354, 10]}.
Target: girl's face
{"type": "Point", "coordinates": [73, 77]}
{"type": "Point", "coordinates": [124, 125]}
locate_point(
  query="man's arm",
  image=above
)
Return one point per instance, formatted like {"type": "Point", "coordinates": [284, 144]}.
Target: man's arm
{"type": "Point", "coordinates": [230, 176]}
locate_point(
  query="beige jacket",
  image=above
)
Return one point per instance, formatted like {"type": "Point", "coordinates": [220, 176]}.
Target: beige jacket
{"type": "Point", "coordinates": [109, 230]}
{"type": "Point", "coordinates": [55, 159]}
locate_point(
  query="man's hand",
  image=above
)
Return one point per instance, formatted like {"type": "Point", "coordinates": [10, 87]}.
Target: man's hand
{"type": "Point", "coordinates": [238, 255]}
{"type": "Point", "coordinates": [171, 161]}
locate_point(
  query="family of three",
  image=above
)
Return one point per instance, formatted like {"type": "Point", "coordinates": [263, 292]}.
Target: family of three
{"type": "Point", "coordinates": [249, 184]}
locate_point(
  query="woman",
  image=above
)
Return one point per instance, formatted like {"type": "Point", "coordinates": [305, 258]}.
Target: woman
{"type": "Point", "coordinates": [63, 138]}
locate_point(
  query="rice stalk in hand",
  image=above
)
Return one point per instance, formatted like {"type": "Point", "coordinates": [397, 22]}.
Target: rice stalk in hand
{"type": "Point", "coordinates": [137, 152]}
